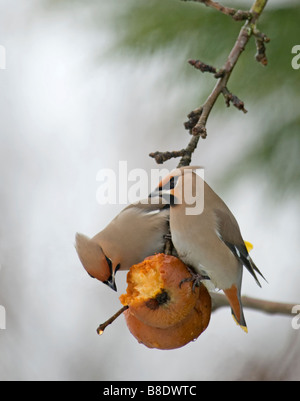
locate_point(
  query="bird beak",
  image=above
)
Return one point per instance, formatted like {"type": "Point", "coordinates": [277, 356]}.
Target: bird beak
{"type": "Point", "coordinates": [165, 197]}
{"type": "Point", "coordinates": [111, 283]}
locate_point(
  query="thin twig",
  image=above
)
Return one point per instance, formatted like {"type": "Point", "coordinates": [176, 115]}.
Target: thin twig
{"type": "Point", "coordinates": [161, 157]}
{"type": "Point", "coordinates": [102, 327]}
{"type": "Point", "coordinates": [229, 97]}
{"type": "Point", "coordinates": [237, 15]}
{"type": "Point", "coordinates": [199, 65]}
{"type": "Point", "coordinates": [260, 40]}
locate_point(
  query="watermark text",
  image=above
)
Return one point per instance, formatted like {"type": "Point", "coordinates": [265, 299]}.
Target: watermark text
{"type": "Point", "coordinates": [2, 315]}
{"type": "Point", "coordinates": [137, 185]}
{"type": "Point", "coordinates": [296, 59]}
{"type": "Point", "coordinates": [2, 318]}
{"type": "Point", "coordinates": [2, 58]}
{"type": "Point", "coordinates": [296, 319]}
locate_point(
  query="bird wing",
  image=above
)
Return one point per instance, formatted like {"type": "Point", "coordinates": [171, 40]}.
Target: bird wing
{"type": "Point", "coordinates": [229, 233]}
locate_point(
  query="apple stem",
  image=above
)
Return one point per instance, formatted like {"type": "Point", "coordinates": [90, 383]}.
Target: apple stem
{"type": "Point", "coordinates": [103, 326]}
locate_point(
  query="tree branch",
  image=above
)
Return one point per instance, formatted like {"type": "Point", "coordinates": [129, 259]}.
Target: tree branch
{"type": "Point", "coordinates": [237, 15]}
{"type": "Point", "coordinates": [161, 157]}
{"type": "Point", "coordinates": [198, 117]}
{"type": "Point", "coordinates": [199, 65]}
{"type": "Point", "coordinates": [199, 129]}
{"type": "Point", "coordinates": [270, 307]}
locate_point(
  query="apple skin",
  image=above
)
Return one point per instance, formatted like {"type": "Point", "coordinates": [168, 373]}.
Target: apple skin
{"type": "Point", "coordinates": [164, 312]}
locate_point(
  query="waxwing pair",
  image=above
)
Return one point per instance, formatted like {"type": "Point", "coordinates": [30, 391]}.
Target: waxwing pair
{"type": "Point", "coordinates": [205, 235]}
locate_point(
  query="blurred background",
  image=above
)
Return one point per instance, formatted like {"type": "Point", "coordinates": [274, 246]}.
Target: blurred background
{"type": "Point", "coordinates": [90, 83]}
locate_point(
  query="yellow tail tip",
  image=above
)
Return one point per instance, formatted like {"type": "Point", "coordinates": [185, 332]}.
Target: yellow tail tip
{"type": "Point", "coordinates": [244, 328]}
{"type": "Point", "coordinates": [249, 246]}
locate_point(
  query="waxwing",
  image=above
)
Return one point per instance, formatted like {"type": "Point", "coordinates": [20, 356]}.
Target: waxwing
{"type": "Point", "coordinates": [136, 232]}
{"type": "Point", "coordinates": [206, 235]}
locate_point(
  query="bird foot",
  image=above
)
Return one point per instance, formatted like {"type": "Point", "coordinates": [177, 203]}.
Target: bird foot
{"type": "Point", "coordinates": [196, 278]}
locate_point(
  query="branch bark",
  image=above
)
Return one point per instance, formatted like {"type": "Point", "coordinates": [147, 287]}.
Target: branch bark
{"type": "Point", "coordinates": [270, 307]}
{"type": "Point", "coordinates": [237, 15]}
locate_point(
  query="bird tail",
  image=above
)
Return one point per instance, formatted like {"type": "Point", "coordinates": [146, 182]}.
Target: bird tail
{"type": "Point", "coordinates": [234, 298]}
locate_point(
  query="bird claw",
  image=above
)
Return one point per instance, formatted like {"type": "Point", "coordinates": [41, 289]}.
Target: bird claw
{"type": "Point", "coordinates": [196, 278]}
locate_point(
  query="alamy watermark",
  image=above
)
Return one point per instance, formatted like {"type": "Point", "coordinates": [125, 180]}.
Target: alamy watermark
{"type": "Point", "coordinates": [130, 186]}
{"type": "Point", "coordinates": [2, 318]}
{"type": "Point", "coordinates": [2, 58]}
{"type": "Point", "coordinates": [296, 319]}
{"type": "Point", "coordinates": [2, 315]}
{"type": "Point", "coordinates": [296, 59]}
